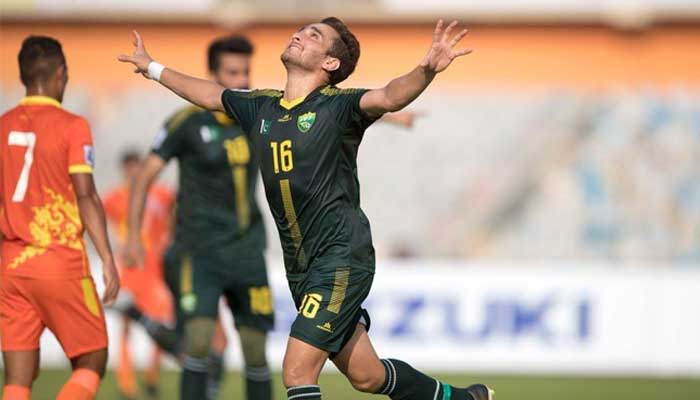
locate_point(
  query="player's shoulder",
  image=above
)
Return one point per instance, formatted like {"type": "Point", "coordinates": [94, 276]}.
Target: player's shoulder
{"type": "Point", "coordinates": [256, 93]}
{"type": "Point", "coordinates": [334, 91]}
{"type": "Point", "coordinates": [182, 116]}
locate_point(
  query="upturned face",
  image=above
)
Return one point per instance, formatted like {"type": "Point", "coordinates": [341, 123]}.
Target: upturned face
{"type": "Point", "coordinates": [308, 49]}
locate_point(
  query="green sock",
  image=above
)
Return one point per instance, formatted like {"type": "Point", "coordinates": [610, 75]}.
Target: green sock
{"type": "Point", "coordinates": [403, 382]}
{"type": "Point", "coordinates": [258, 383]}
{"type": "Point", "coordinates": [193, 385]}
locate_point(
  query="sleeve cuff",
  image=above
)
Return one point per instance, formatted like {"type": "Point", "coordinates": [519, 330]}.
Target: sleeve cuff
{"type": "Point", "coordinates": [80, 169]}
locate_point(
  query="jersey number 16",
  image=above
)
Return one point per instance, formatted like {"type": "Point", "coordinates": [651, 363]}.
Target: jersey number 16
{"type": "Point", "coordinates": [282, 156]}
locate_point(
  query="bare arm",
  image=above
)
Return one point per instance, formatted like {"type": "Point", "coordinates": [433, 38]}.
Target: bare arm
{"type": "Point", "coordinates": [401, 91]}
{"type": "Point", "coordinates": [137, 201]}
{"type": "Point", "coordinates": [93, 217]}
{"type": "Point", "coordinates": [201, 92]}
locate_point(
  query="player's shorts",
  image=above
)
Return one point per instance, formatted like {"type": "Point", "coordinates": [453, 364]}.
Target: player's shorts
{"type": "Point", "coordinates": [329, 301]}
{"type": "Point", "coordinates": [197, 282]}
{"type": "Point", "coordinates": [148, 288]}
{"type": "Point", "coordinates": [69, 308]}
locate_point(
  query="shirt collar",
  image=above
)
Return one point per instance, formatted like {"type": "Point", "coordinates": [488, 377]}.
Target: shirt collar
{"type": "Point", "coordinates": [39, 100]}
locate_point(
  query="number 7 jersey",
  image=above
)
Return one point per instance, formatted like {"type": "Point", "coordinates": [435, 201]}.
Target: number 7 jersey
{"type": "Point", "coordinates": [40, 146]}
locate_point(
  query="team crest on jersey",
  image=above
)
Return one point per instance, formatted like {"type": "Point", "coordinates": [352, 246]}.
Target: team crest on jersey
{"type": "Point", "coordinates": [306, 121]}
{"type": "Point", "coordinates": [209, 133]}
{"type": "Point", "coordinates": [89, 153]}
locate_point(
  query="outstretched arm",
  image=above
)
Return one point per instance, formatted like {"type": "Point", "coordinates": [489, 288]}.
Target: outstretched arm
{"type": "Point", "coordinates": [401, 91]}
{"type": "Point", "coordinates": [201, 92]}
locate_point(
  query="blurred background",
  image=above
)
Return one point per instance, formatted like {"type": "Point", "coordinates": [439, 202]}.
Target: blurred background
{"type": "Point", "coordinates": [538, 224]}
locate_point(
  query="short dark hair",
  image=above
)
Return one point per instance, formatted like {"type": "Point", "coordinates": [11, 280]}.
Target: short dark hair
{"type": "Point", "coordinates": [129, 156]}
{"type": "Point", "coordinates": [39, 59]}
{"type": "Point", "coordinates": [346, 49]}
{"type": "Point", "coordinates": [236, 44]}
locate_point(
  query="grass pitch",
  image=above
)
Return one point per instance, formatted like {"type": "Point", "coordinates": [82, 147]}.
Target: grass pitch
{"type": "Point", "coordinates": [335, 387]}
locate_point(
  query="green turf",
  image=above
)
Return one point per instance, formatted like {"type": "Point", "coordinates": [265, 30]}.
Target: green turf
{"type": "Point", "coordinates": [507, 387]}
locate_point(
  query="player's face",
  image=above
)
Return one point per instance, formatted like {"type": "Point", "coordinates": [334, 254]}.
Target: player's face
{"type": "Point", "coordinates": [131, 170]}
{"type": "Point", "coordinates": [308, 48]}
{"type": "Point", "coordinates": [233, 71]}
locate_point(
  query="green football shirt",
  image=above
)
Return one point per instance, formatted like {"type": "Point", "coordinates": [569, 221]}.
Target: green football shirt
{"type": "Point", "coordinates": [216, 205]}
{"type": "Point", "coordinates": [308, 160]}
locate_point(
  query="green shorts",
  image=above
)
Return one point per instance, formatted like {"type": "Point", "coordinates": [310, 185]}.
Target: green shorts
{"type": "Point", "coordinates": [197, 282]}
{"type": "Point", "coordinates": [329, 301]}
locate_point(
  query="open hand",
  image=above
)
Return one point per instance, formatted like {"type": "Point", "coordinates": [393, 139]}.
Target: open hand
{"type": "Point", "coordinates": [442, 52]}
{"type": "Point", "coordinates": [139, 58]}
{"type": "Point", "coordinates": [134, 253]}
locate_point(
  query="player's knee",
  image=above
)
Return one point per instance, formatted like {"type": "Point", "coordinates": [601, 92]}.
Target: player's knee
{"type": "Point", "coordinates": [366, 381]}
{"type": "Point", "coordinates": [198, 334]}
{"type": "Point", "coordinates": [253, 344]}
{"type": "Point", "coordinates": [95, 361]}
{"type": "Point", "coordinates": [296, 375]}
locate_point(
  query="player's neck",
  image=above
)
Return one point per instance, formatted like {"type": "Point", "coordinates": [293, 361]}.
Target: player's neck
{"type": "Point", "coordinates": [41, 90]}
{"type": "Point", "coordinates": [300, 84]}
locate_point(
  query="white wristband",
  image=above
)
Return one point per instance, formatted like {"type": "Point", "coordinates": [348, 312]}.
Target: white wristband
{"type": "Point", "coordinates": [154, 70]}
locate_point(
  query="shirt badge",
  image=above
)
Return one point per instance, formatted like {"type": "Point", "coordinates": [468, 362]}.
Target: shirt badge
{"type": "Point", "coordinates": [306, 121]}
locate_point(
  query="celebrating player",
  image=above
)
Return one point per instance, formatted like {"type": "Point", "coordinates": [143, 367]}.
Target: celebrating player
{"type": "Point", "coordinates": [219, 234]}
{"type": "Point", "coordinates": [307, 139]}
{"type": "Point", "coordinates": [47, 197]}
{"type": "Point", "coordinates": [144, 282]}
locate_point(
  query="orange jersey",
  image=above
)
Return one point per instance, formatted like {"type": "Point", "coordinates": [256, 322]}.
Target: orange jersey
{"type": "Point", "coordinates": [155, 230]}
{"type": "Point", "coordinates": [40, 146]}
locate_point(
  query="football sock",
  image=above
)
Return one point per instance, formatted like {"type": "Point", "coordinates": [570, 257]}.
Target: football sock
{"type": "Point", "coordinates": [216, 373]}
{"type": "Point", "coordinates": [152, 375]}
{"type": "Point", "coordinates": [195, 372]}
{"type": "Point", "coordinates": [403, 382]}
{"type": "Point", "coordinates": [304, 392]}
{"type": "Point", "coordinates": [126, 377]}
{"type": "Point", "coordinates": [259, 383]}
{"type": "Point", "coordinates": [16, 392]}
{"type": "Point", "coordinates": [82, 385]}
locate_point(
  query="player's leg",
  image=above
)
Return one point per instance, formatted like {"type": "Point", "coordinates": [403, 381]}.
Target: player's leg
{"type": "Point", "coordinates": [219, 341]}
{"type": "Point", "coordinates": [88, 370]}
{"type": "Point", "coordinates": [197, 298]}
{"type": "Point", "coordinates": [152, 375]}
{"type": "Point", "coordinates": [73, 312]}
{"type": "Point", "coordinates": [21, 326]}
{"type": "Point", "coordinates": [250, 300]}
{"type": "Point", "coordinates": [301, 368]}
{"type": "Point", "coordinates": [126, 377]}
{"type": "Point", "coordinates": [394, 378]}
{"type": "Point", "coordinates": [20, 372]}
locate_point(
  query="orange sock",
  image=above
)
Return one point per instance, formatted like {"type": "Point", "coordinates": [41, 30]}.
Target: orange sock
{"type": "Point", "coordinates": [126, 377]}
{"type": "Point", "coordinates": [16, 392]}
{"type": "Point", "coordinates": [82, 385]}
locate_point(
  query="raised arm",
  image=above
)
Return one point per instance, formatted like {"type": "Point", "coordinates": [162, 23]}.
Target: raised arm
{"type": "Point", "coordinates": [401, 91]}
{"type": "Point", "coordinates": [93, 217]}
{"type": "Point", "coordinates": [133, 252]}
{"type": "Point", "coordinates": [201, 92]}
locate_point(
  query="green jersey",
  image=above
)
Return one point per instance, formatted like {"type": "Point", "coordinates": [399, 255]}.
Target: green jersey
{"type": "Point", "coordinates": [308, 161]}
{"type": "Point", "coordinates": [216, 207]}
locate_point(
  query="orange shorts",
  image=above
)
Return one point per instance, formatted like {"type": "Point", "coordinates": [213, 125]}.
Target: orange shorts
{"type": "Point", "coordinates": [69, 308]}
{"type": "Point", "coordinates": [150, 292]}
